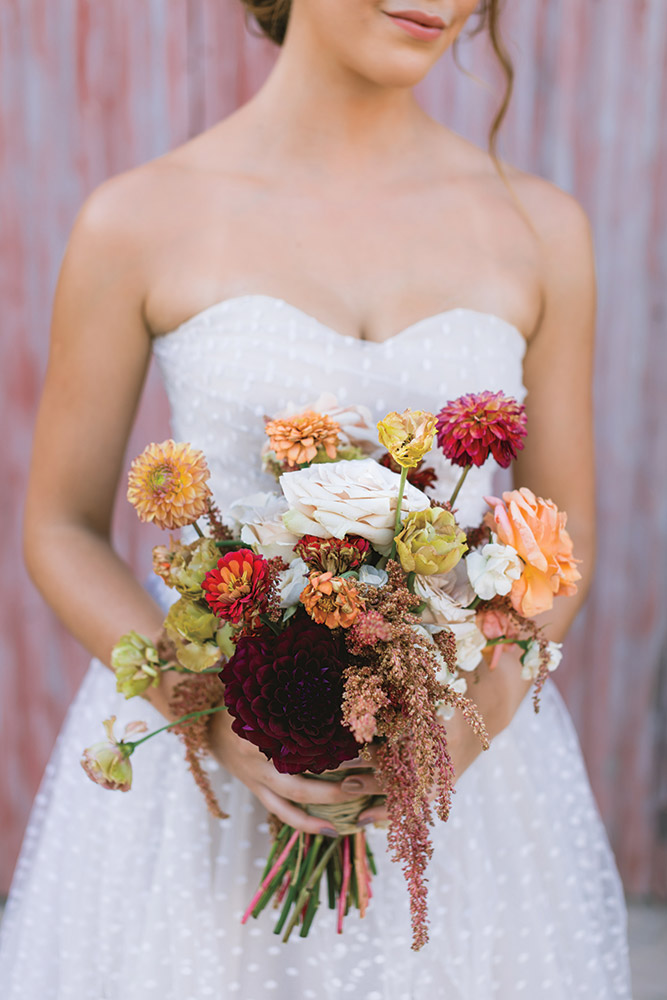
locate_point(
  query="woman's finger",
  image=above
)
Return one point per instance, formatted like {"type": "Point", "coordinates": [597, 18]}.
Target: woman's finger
{"type": "Point", "coordinates": [292, 815]}
{"type": "Point", "coordinates": [378, 814]}
{"type": "Point", "coordinates": [310, 790]}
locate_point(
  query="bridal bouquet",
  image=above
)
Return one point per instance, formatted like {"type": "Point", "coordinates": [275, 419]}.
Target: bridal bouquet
{"type": "Point", "coordinates": [343, 614]}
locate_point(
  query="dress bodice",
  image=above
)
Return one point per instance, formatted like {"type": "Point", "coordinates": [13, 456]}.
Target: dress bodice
{"type": "Point", "coordinates": [248, 357]}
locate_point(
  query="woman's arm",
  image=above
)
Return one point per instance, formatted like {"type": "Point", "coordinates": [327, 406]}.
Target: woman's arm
{"type": "Point", "coordinates": [100, 350]}
{"type": "Point", "coordinates": [558, 459]}
{"type": "Point", "coordinates": [99, 355]}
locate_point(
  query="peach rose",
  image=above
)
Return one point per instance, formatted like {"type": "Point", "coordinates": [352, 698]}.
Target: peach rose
{"type": "Point", "coordinates": [536, 529]}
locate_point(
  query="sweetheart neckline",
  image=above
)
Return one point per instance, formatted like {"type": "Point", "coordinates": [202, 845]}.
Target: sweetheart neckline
{"type": "Point", "coordinates": [330, 329]}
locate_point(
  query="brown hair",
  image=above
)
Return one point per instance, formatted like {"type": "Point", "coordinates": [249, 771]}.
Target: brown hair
{"type": "Point", "coordinates": [272, 17]}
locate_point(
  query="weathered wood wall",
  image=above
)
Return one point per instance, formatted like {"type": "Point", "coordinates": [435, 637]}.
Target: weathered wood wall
{"type": "Point", "coordinates": [89, 88]}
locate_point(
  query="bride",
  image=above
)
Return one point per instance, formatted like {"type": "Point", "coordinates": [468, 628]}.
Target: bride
{"type": "Point", "coordinates": [327, 236]}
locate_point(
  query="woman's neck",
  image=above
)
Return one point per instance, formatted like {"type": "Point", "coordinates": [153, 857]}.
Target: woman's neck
{"type": "Point", "coordinates": [314, 109]}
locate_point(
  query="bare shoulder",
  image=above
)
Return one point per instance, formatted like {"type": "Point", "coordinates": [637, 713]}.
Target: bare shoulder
{"type": "Point", "coordinates": [567, 263]}
{"type": "Point", "coordinates": [119, 231]}
{"type": "Point", "coordinates": [557, 216]}
{"type": "Point", "coordinates": [563, 230]}
{"type": "Point", "coordinates": [564, 244]}
{"type": "Point", "coordinates": [123, 211]}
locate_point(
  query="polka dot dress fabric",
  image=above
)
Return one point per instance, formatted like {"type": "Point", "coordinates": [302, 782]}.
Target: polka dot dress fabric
{"type": "Point", "coordinates": [139, 895]}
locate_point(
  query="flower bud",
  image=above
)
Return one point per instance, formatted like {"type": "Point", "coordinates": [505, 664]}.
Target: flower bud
{"type": "Point", "coordinates": [136, 663]}
{"type": "Point", "coordinates": [107, 763]}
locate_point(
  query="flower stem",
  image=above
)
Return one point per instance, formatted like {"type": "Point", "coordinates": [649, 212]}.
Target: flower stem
{"type": "Point", "coordinates": [397, 522]}
{"type": "Point", "coordinates": [177, 722]}
{"type": "Point", "coordinates": [198, 530]}
{"type": "Point", "coordinates": [510, 642]}
{"type": "Point", "coordinates": [309, 887]}
{"type": "Point", "coordinates": [460, 483]}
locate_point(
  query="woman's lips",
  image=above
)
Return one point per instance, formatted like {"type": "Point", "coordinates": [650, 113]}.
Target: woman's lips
{"type": "Point", "coordinates": [423, 26]}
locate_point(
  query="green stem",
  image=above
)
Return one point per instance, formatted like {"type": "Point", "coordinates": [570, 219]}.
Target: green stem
{"type": "Point", "coordinates": [309, 887]}
{"type": "Point", "coordinates": [397, 522]}
{"type": "Point", "coordinates": [198, 530]}
{"type": "Point", "coordinates": [509, 642]}
{"type": "Point", "coordinates": [460, 483]}
{"type": "Point", "coordinates": [177, 722]}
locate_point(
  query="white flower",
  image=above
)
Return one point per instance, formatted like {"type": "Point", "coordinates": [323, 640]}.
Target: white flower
{"type": "Point", "coordinates": [270, 539]}
{"type": "Point", "coordinates": [469, 644]}
{"type": "Point", "coordinates": [349, 497]}
{"type": "Point", "coordinates": [373, 576]}
{"type": "Point", "coordinates": [259, 516]}
{"type": "Point", "coordinates": [291, 582]}
{"type": "Point", "coordinates": [257, 508]}
{"type": "Point", "coordinates": [492, 569]}
{"type": "Point", "coordinates": [530, 660]}
{"type": "Point", "coordinates": [438, 591]}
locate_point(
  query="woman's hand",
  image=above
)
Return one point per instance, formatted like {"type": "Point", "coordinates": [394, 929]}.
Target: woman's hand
{"type": "Point", "coordinates": [279, 792]}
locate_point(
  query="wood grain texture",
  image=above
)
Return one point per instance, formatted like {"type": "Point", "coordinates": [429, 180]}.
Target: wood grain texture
{"type": "Point", "coordinates": [89, 88]}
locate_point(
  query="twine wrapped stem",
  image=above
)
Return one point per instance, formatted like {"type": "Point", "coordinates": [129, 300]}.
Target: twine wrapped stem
{"type": "Point", "coordinates": [343, 816]}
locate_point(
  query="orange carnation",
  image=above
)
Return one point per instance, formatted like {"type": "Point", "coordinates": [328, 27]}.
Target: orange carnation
{"type": "Point", "coordinates": [297, 440]}
{"type": "Point", "coordinates": [167, 484]}
{"type": "Point", "coordinates": [331, 600]}
{"type": "Point", "coordinates": [536, 529]}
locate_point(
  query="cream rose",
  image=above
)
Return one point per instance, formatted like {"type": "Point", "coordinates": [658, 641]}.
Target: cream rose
{"type": "Point", "coordinates": [347, 498]}
{"type": "Point", "coordinates": [259, 516]}
{"type": "Point", "coordinates": [445, 598]}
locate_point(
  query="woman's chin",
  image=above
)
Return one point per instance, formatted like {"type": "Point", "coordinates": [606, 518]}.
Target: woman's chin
{"type": "Point", "coordinates": [396, 69]}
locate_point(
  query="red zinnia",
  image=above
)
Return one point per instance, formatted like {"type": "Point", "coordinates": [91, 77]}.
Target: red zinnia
{"type": "Point", "coordinates": [237, 588]}
{"type": "Point", "coordinates": [477, 425]}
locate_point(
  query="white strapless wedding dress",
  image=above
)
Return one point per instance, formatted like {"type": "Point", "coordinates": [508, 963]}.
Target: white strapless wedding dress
{"type": "Point", "coordinates": [139, 896]}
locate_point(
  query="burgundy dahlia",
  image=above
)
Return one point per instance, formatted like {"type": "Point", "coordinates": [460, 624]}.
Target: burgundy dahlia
{"type": "Point", "coordinates": [285, 692]}
{"type": "Point", "coordinates": [474, 426]}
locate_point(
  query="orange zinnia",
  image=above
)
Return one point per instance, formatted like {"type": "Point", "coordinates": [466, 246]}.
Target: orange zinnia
{"type": "Point", "coordinates": [331, 600]}
{"type": "Point", "coordinates": [167, 484]}
{"type": "Point", "coordinates": [296, 440]}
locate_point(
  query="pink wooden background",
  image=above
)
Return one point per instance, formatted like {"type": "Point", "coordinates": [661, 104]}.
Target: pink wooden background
{"type": "Point", "coordinates": [89, 88]}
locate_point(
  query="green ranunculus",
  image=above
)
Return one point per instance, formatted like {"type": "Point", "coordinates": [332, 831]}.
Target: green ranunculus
{"type": "Point", "coordinates": [430, 542]}
{"type": "Point", "coordinates": [190, 621]}
{"type": "Point", "coordinates": [190, 565]}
